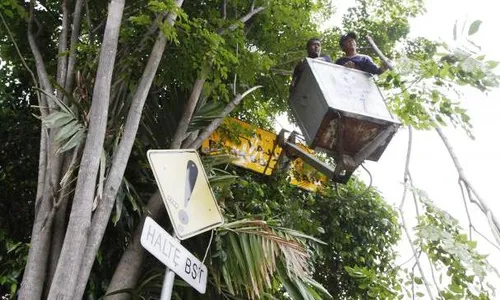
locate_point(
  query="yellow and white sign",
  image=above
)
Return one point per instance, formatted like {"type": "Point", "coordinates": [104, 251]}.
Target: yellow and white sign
{"type": "Point", "coordinates": [185, 190]}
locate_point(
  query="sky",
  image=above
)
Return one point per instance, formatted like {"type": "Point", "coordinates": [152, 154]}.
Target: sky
{"type": "Point", "coordinates": [431, 166]}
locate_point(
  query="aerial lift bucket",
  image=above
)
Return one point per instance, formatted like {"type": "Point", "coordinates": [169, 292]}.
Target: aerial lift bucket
{"type": "Point", "coordinates": [342, 113]}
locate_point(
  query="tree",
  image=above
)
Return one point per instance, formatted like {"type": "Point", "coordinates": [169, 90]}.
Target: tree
{"type": "Point", "coordinates": [83, 112]}
{"type": "Point", "coordinates": [91, 68]}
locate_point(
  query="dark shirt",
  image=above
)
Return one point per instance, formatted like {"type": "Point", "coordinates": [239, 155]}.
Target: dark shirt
{"type": "Point", "coordinates": [299, 68]}
{"type": "Point", "coordinates": [360, 62]}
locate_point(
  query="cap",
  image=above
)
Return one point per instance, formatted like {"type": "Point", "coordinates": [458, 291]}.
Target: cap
{"type": "Point", "coordinates": [346, 36]}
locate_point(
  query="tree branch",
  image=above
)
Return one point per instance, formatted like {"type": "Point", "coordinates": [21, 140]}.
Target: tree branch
{"type": "Point", "coordinates": [23, 62]}
{"type": "Point", "coordinates": [40, 67]}
{"type": "Point", "coordinates": [493, 222]}
{"type": "Point", "coordinates": [188, 112]}
{"type": "Point", "coordinates": [77, 16]}
{"type": "Point", "coordinates": [197, 88]}
{"type": "Point", "coordinates": [216, 123]}
{"type": "Point", "coordinates": [243, 19]}
{"type": "Point", "coordinates": [62, 59]}
{"type": "Point", "coordinates": [128, 270]}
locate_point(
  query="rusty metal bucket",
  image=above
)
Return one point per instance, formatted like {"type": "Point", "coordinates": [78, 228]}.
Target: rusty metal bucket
{"type": "Point", "coordinates": [341, 112]}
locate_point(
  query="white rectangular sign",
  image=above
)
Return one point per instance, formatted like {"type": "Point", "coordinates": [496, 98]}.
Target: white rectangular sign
{"type": "Point", "coordinates": [170, 252]}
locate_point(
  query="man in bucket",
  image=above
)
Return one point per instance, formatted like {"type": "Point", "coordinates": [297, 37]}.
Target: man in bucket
{"type": "Point", "coordinates": [354, 60]}
{"type": "Point", "coordinates": [313, 47]}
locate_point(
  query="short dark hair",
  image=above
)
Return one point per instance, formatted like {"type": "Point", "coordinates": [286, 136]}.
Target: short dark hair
{"type": "Point", "coordinates": [349, 35]}
{"type": "Point", "coordinates": [310, 41]}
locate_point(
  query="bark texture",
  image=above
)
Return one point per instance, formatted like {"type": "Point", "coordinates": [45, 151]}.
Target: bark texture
{"type": "Point", "coordinates": [66, 275]}
{"type": "Point", "coordinates": [120, 159]}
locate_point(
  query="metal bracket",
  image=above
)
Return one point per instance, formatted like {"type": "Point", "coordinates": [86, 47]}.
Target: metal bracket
{"type": "Point", "coordinates": [292, 151]}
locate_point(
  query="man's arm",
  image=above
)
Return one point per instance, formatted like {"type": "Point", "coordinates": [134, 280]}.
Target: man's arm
{"type": "Point", "coordinates": [296, 74]}
{"type": "Point", "coordinates": [369, 66]}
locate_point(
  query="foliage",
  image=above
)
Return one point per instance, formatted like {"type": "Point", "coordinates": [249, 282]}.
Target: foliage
{"type": "Point", "coordinates": [423, 90]}
{"type": "Point", "coordinates": [12, 260]}
{"type": "Point", "coordinates": [18, 158]}
{"type": "Point", "coordinates": [462, 269]}
{"type": "Point", "coordinates": [359, 229]}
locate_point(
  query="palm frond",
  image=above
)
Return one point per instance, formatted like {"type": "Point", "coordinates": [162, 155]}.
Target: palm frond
{"type": "Point", "coordinates": [258, 254]}
{"type": "Point", "coordinates": [71, 131]}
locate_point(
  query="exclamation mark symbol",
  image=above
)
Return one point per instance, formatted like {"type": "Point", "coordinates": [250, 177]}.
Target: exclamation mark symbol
{"type": "Point", "coordinates": [191, 175]}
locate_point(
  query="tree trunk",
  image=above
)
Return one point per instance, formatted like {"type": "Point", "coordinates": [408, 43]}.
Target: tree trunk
{"type": "Point", "coordinates": [36, 265]}
{"type": "Point", "coordinates": [129, 269]}
{"type": "Point", "coordinates": [68, 267]}
{"type": "Point", "coordinates": [188, 112]}
{"type": "Point", "coordinates": [120, 159]}
{"type": "Point", "coordinates": [59, 226]}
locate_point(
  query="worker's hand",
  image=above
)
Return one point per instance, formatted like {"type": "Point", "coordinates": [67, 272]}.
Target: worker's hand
{"type": "Point", "coordinates": [386, 65]}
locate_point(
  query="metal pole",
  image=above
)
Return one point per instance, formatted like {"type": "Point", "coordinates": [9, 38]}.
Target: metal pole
{"type": "Point", "coordinates": [168, 281]}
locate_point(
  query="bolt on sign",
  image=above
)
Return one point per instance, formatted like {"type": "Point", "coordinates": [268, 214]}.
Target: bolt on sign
{"type": "Point", "coordinates": [257, 150]}
{"type": "Point", "coordinates": [185, 190]}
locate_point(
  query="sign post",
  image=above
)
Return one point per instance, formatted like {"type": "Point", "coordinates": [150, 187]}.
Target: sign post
{"type": "Point", "coordinates": [192, 209]}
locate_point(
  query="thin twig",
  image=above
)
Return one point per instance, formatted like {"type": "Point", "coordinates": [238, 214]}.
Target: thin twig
{"type": "Point", "coordinates": [403, 221]}
{"type": "Point", "coordinates": [484, 237]}
{"type": "Point", "coordinates": [493, 222]}
{"type": "Point", "coordinates": [460, 182]}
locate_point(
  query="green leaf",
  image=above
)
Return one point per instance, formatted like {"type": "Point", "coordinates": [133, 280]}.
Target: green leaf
{"type": "Point", "coordinates": [474, 27]}
{"type": "Point", "coordinates": [68, 131]}
{"type": "Point", "coordinates": [74, 141]}
{"type": "Point", "coordinates": [57, 119]}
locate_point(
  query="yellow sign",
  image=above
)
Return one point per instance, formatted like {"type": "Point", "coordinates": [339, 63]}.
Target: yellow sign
{"type": "Point", "coordinates": [258, 150]}
{"type": "Point", "coordinates": [254, 148]}
{"type": "Point", "coordinates": [185, 190]}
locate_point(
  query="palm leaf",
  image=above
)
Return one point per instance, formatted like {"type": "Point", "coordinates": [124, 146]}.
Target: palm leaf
{"type": "Point", "coordinates": [205, 114]}
{"type": "Point", "coordinates": [257, 252]}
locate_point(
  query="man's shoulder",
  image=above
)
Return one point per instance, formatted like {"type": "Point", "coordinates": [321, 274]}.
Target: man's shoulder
{"type": "Point", "coordinates": [362, 57]}
{"type": "Point", "coordinates": [326, 58]}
